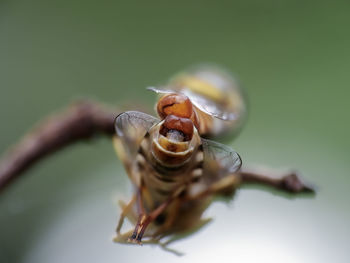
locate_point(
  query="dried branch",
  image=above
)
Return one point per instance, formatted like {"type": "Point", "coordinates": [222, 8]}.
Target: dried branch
{"type": "Point", "coordinates": [86, 119]}
{"type": "Point", "coordinates": [81, 120]}
{"type": "Point", "coordinates": [289, 182]}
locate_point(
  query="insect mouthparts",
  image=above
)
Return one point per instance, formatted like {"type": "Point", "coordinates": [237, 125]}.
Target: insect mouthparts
{"type": "Point", "coordinates": [175, 135]}
{"type": "Point", "coordinates": [177, 128]}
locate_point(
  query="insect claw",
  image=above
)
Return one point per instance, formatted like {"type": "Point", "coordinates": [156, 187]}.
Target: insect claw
{"type": "Point", "coordinates": [138, 240]}
{"type": "Point", "coordinates": [134, 241]}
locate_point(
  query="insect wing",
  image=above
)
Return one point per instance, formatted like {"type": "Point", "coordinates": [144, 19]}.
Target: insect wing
{"type": "Point", "coordinates": [162, 90]}
{"type": "Point", "coordinates": [131, 127]}
{"type": "Point", "coordinates": [210, 107]}
{"type": "Point", "coordinates": [219, 161]}
{"type": "Point", "coordinates": [201, 102]}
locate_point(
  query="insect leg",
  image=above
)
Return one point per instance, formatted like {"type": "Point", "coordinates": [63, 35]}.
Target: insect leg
{"type": "Point", "coordinates": [123, 238]}
{"type": "Point", "coordinates": [146, 219]}
{"type": "Point", "coordinates": [170, 218]}
{"type": "Point", "coordinates": [225, 185]}
{"type": "Point", "coordinates": [289, 182]}
{"type": "Point", "coordinates": [141, 215]}
{"type": "Point", "coordinates": [126, 209]}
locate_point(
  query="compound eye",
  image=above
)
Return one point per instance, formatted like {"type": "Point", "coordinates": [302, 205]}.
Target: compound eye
{"type": "Point", "coordinates": [177, 127]}
{"type": "Point", "coordinates": [175, 104]}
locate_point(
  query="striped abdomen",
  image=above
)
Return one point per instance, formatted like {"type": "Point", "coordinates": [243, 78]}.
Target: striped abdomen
{"type": "Point", "coordinates": [168, 161]}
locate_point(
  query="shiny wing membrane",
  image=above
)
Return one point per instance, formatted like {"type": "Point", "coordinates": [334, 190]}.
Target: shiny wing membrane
{"type": "Point", "coordinates": [210, 107]}
{"type": "Point", "coordinates": [219, 161]}
{"type": "Point", "coordinates": [201, 102]}
{"type": "Point", "coordinates": [131, 127]}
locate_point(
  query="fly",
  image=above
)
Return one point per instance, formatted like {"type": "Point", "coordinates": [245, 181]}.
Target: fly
{"type": "Point", "coordinates": [176, 172]}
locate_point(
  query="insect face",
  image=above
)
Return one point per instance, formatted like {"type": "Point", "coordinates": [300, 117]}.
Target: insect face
{"type": "Point", "coordinates": [178, 105]}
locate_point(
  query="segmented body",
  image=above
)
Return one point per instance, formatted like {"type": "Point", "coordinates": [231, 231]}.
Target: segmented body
{"type": "Point", "coordinates": [161, 181]}
{"type": "Point", "coordinates": [173, 169]}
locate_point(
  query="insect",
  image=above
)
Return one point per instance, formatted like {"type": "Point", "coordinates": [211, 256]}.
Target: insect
{"type": "Point", "coordinates": [218, 101]}
{"type": "Point", "coordinates": [175, 171]}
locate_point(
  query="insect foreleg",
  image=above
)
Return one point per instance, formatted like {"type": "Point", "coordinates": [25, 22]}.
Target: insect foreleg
{"type": "Point", "coordinates": [289, 182]}
{"type": "Point", "coordinates": [126, 210]}
{"type": "Point", "coordinates": [145, 219]}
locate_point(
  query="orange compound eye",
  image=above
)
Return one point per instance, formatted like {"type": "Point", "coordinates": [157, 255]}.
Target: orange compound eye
{"type": "Point", "coordinates": [178, 105]}
{"type": "Point", "coordinates": [175, 104]}
{"type": "Point", "coordinates": [184, 125]}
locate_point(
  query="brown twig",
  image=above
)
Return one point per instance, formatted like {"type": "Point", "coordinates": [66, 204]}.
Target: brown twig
{"type": "Point", "coordinates": [289, 182]}
{"type": "Point", "coordinates": [85, 119]}
{"type": "Point", "coordinates": [81, 120]}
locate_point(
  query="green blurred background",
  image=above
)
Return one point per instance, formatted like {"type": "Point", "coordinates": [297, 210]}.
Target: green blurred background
{"type": "Point", "coordinates": [293, 58]}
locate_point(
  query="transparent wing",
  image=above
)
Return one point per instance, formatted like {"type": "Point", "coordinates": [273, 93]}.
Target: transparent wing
{"type": "Point", "coordinates": [131, 127]}
{"type": "Point", "coordinates": [210, 107]}
{"type": "Point", "coordinates": [213, 90]}
{"type": "Point", "coordinates": [219, 161]}
{"type": "Point", "coordinates": [162, 90]}
{"type": "Point", "coordinates": [203, 103]}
